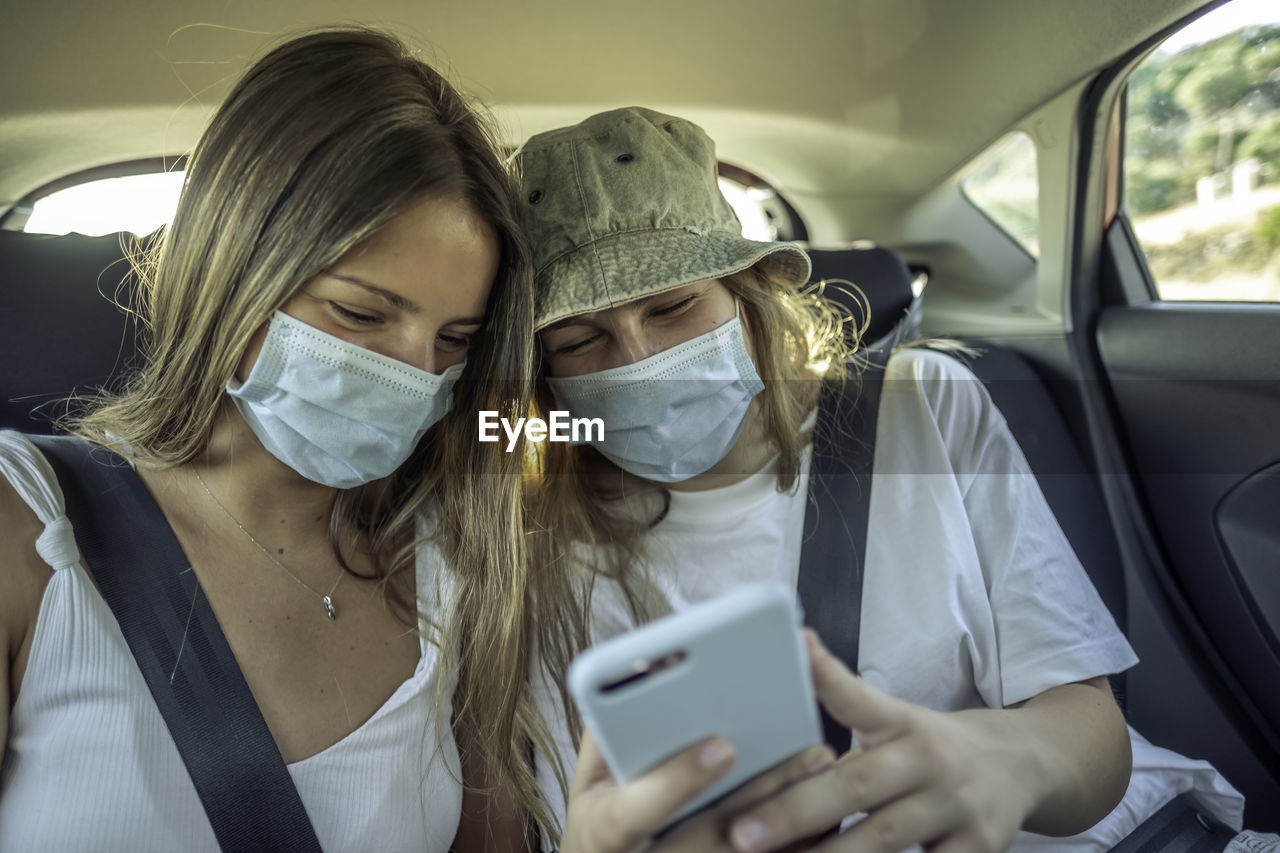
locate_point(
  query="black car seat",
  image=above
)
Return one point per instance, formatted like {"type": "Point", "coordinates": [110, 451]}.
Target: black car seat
{"type": "Point", "coordinates": [887, 286]}
{"type": "Point", "coordinates": [60, 332]}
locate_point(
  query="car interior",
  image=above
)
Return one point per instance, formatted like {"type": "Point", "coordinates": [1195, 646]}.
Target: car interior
{"type": "Point", "coordinates": [971, 167]}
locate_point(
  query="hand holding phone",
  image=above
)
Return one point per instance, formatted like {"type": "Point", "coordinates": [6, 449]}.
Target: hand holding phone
{"type": "Point", "coordinates": [606, 818]}
{"type": "Point", "coordinates": [733, 666]}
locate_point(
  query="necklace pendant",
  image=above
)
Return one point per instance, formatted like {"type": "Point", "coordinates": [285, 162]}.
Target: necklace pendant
{"type": "Point", "coordinates": [328, 608]}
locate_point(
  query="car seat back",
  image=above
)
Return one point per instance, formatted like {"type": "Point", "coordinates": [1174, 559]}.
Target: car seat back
{"type": "Point", "coordinates": [61, 333]}
{"type": "Point", "coordinates": [888, 289]}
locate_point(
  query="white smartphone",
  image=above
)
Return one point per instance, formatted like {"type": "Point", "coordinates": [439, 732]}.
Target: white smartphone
{"type": "Point", "coordinates": [733, 666]}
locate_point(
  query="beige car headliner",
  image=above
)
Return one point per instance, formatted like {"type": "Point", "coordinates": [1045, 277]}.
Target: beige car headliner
{"type": "Point", "coordinates": [870, 98]}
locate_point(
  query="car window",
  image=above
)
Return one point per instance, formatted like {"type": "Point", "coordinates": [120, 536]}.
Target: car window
{"type": "Point", "coordinates": [763, 213]}
{"type": "Point", "coordinates": [137, 203]}
{"type": "Point", "coordinates": [746, 203]}
{"type": "Point", "coordinates": [1202, 156]}
{"type": "Point", "coordinates": [144, 202]}
{"type": "Point", "coordinates": [1004, 185]}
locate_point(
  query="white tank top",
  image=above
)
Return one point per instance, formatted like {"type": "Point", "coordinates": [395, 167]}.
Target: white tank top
{"type": "Point", "coordinates": [90, 765]}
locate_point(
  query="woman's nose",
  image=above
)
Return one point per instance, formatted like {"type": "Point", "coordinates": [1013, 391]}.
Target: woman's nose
{"type": "Point", "coordinates": [418, 349]}
{"type": "Point", "coordinates": [632, 342]}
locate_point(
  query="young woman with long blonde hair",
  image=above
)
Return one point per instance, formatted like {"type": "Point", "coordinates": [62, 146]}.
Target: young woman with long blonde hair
{"type": "Point", "coordinates": [343, 287]}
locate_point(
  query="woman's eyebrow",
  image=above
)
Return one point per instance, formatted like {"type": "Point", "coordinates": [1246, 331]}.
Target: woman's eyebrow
{"type": "Point", "coordinates": [399, 301]}
{"type": "Point", "coordinates": [392, 298]}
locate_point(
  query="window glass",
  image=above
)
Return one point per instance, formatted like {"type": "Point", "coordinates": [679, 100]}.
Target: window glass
{"type": "Point", "coordinates": [142, 203]}
{"type": "Point", "coordinates": [1202, 156]}
{"type": "Point", "coordinates": [137, 203]}
{"type": "Point", "coordinates": [763, 213]}
{"type": "Point", "coordinates": [748, 204]}
{"type": "Point", "coordinates": [1005, 186]}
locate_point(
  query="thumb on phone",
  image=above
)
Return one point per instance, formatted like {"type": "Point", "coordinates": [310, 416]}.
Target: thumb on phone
{"type": "Point", "coordinates": [874, 716]}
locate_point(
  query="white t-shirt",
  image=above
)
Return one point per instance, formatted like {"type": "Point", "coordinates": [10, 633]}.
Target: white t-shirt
{"type": "Point", "coordinates": [972, 595]}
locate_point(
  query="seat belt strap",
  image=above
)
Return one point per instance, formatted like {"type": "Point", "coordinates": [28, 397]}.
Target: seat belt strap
{"type": "Point", "coordinates": [146, 579]}
{"type": "Point", "coordinates": [833, 555]}
{"type": "Point", "coordinates": [1178, 827]}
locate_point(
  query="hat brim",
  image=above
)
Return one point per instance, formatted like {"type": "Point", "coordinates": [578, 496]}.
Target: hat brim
{"type": "Point", "coordinates": [626, 266]}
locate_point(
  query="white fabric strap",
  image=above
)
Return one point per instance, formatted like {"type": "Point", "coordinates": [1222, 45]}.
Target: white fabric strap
{"type": "Point", "coordinates": [31, 477]}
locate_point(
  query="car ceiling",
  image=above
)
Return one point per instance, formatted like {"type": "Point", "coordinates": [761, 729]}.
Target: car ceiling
{"type": "Point", "coordinates": [866, 98]}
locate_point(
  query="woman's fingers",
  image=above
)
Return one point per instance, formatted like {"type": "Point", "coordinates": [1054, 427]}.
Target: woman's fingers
{"type": "Point", "coordinates": [608, 818]}
{"type": "Point", "coordinates": [955, 781]}
{"type": "Point", "coordinates": [859, 781]}
{"type": "Point", "coordinates": [800, 766]}
{"type": "Point", "coordinates": [706, 831]}
{"type": "Point", "coordinates": [874, 716]}
{"type": "Point", "coordinates": [655, 796]}
{"type": "Point", "coordinates": [901, 824]}
{"type": "Point", "coordinates": [591, 769]}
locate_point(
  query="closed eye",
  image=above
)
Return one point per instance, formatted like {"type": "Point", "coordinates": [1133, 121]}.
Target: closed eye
{"type": "Point", "coordinates": [675, 307]}
{"type": "Point", "coordinates": [454, 341]}
{"type": "Point", "coordinates": [575, 346]}
{"type": "Point", "coordinates": [356, 317]}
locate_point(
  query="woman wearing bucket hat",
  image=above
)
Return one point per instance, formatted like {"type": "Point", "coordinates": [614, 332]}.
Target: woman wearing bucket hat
{"type": "Point", "coordinates": [983, 706]}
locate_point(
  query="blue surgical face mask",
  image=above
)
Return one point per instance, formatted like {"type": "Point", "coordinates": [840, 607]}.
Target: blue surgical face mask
{"type": "Point", "coordinates": [673, 415]}
{"type": "Point", "coordinates": [337, 413]}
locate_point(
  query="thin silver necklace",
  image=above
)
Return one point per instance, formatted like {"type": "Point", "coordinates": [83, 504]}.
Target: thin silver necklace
{"type": "Point", "coordinates": [326, 599]}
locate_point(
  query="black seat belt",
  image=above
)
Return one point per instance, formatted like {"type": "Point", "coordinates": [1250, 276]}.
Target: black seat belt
{"type": "Point", "coordinates": [833, 556]}
{"type": "Point", "coordinates": [145, 578]}
{"type": "Point", "coordinates": [1178, 826]}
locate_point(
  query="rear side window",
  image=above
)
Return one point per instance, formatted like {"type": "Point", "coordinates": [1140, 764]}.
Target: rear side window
{"type": "Point", "coordinates": [1006, 187]}
{"type": "Point", "coordinates": [137, 203]}
{"type": "Point", "coordinates": [764, 214]}
{"type": "Point", "coordinates": [142, 203]}
{"type": "Point", "coordinates": [1202, 156]}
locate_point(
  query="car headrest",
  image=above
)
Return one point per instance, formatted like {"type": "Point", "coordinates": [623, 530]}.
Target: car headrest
{"type": "Point", "coordinates": [61, 333]}
{"type": "Point", "coordinates": [879, 273]}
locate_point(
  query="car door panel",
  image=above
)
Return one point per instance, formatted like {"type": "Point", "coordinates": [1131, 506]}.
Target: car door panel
{"type": "Point", "coordinates": [1196, 392]}
{"type": "Point", "coordinates": [1247, 524]}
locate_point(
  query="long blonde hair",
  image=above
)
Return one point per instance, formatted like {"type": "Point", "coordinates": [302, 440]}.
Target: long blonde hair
{"type": "Point", "coordinates": [590, 518]}
{"type": "Point", "coordinates": [322, 142]}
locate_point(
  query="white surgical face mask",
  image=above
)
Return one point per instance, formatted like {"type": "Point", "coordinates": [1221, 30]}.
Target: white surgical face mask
{"type": "Point", "coordinates": [673, 415]}
{"type": "Point", "coordinates": [337, 413]}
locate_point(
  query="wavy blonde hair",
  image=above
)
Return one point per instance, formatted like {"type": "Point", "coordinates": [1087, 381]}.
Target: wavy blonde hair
{"type": "Point", "coordinates": [325, 140]}
{"type": "Point", "coordinates": [590, 517]}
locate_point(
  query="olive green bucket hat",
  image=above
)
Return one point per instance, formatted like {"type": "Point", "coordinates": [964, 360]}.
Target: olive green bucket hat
{"type": "Point", "coordinates": [626, 205]}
